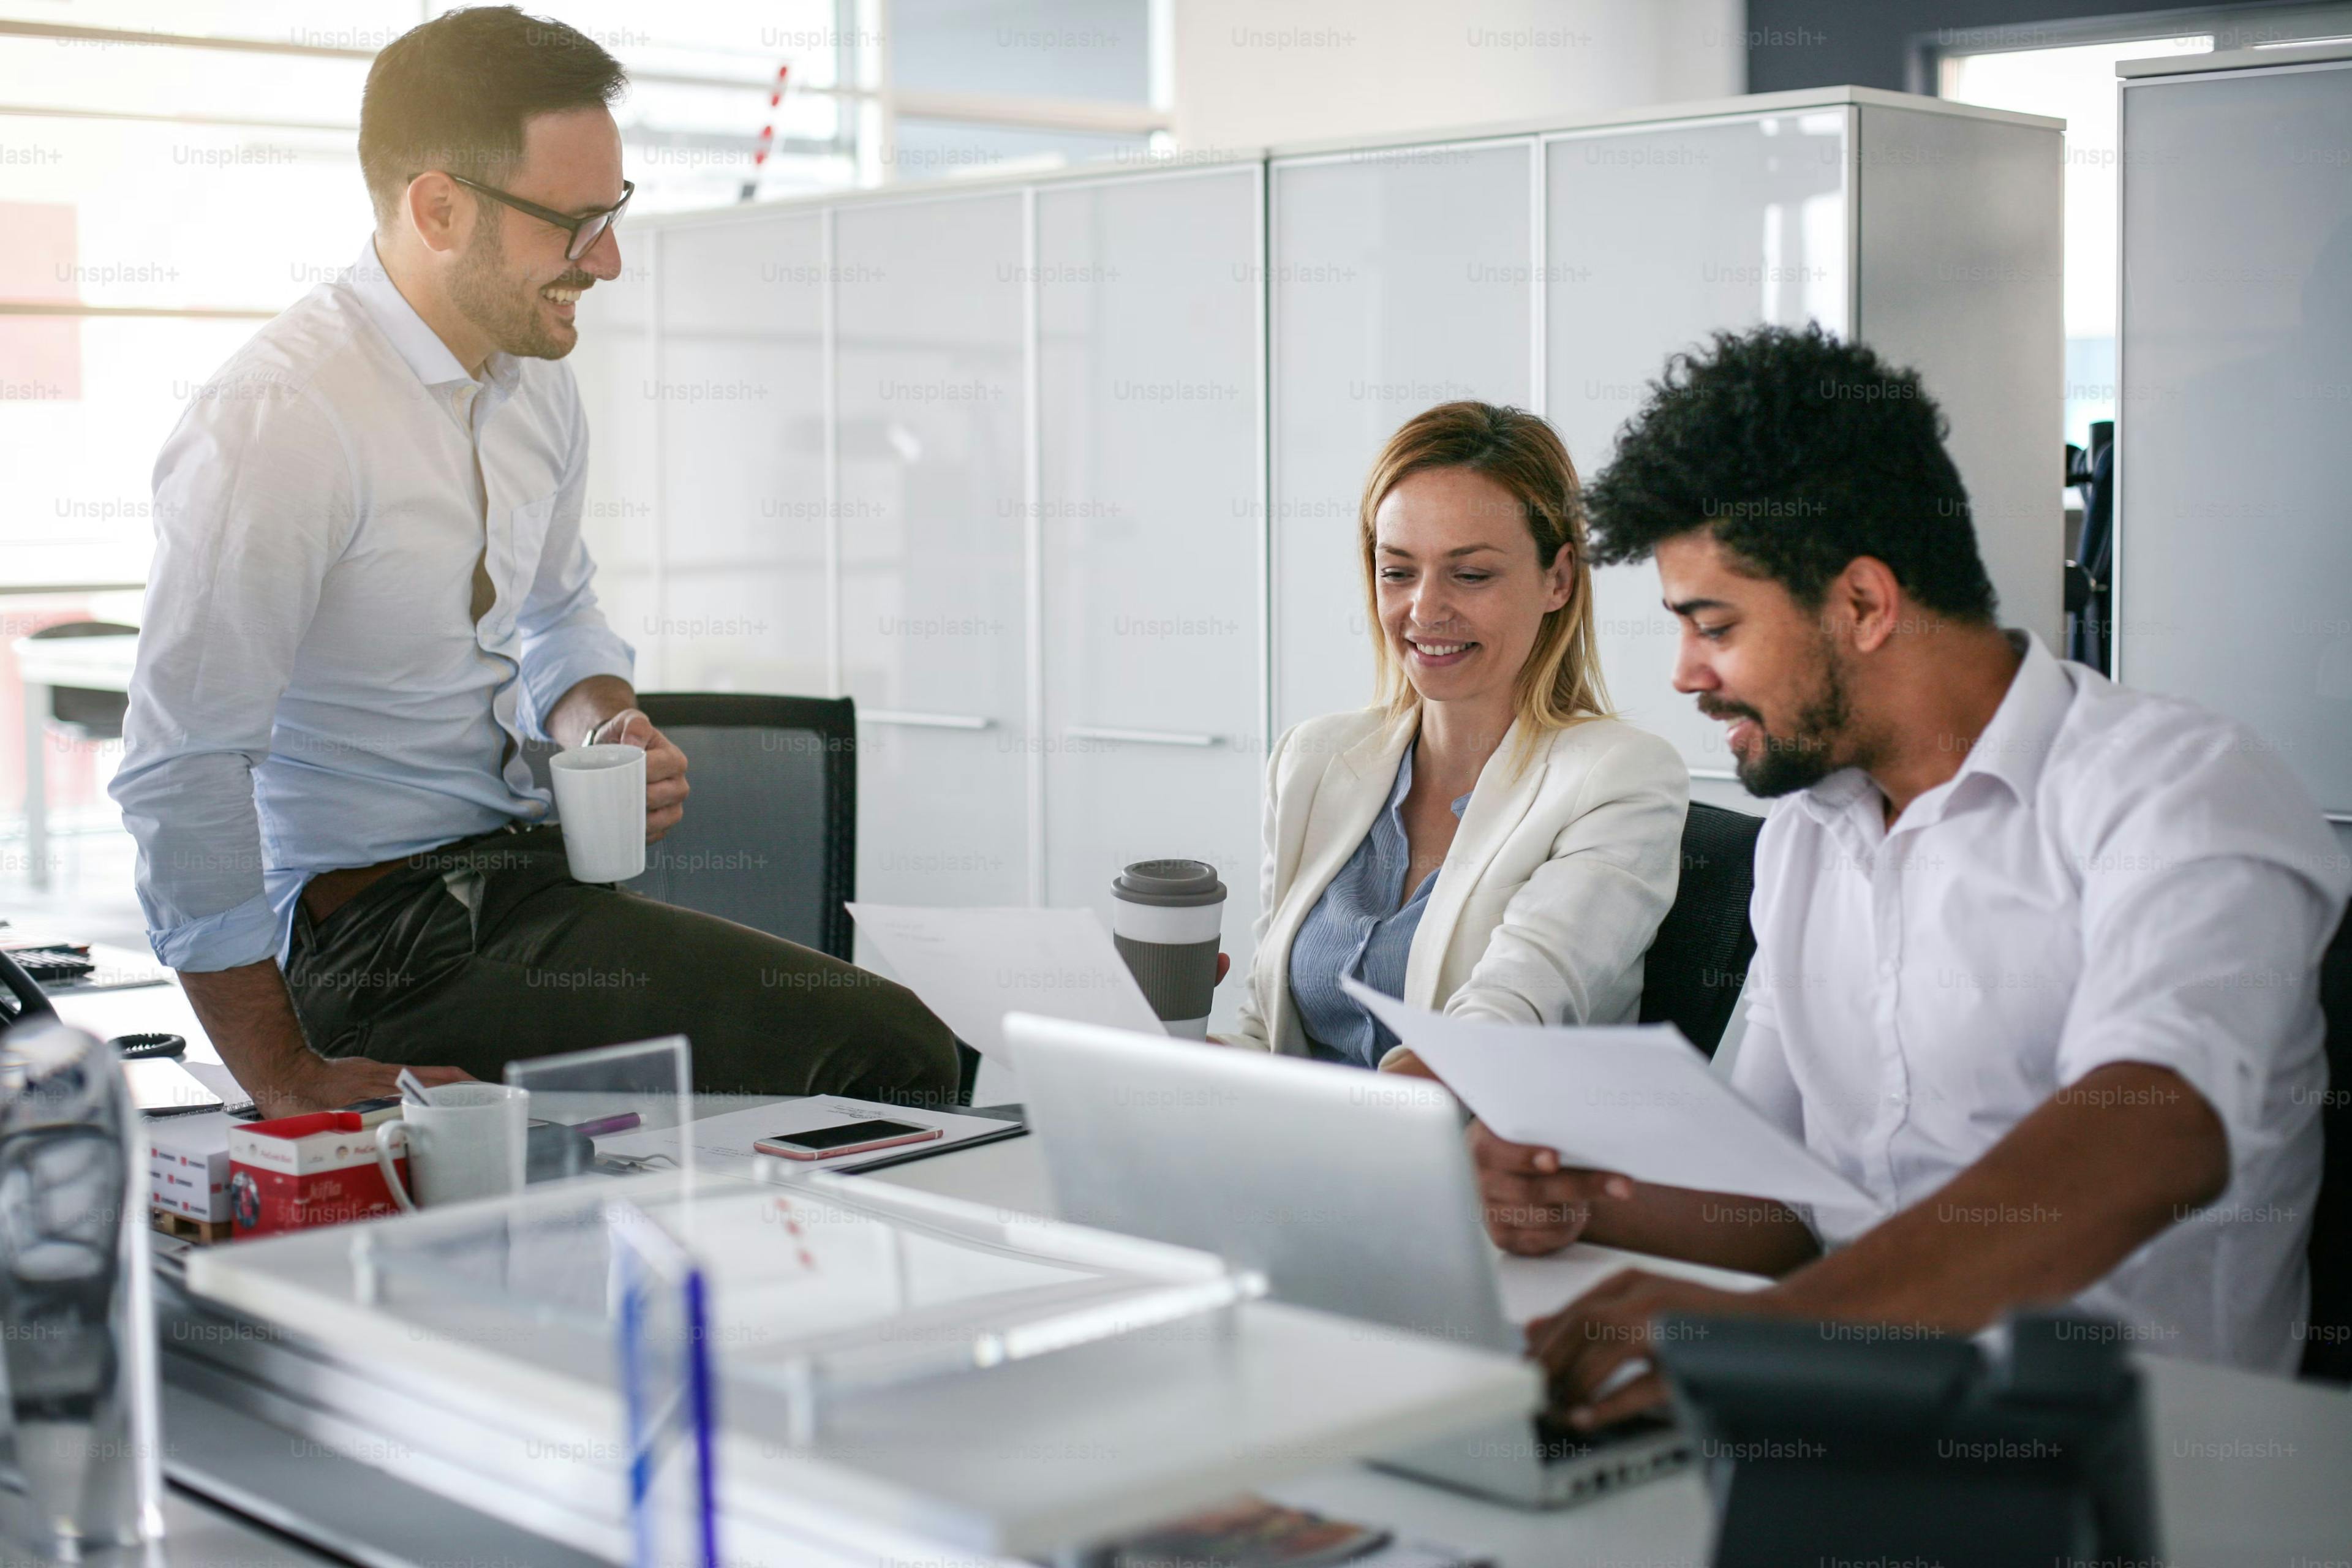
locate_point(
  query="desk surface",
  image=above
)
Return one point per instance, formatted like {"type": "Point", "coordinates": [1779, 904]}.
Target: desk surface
{"type": "Point", "coordinates": [196, 1535]}
{"type": "Point", "coordinates": [2251, 1469]}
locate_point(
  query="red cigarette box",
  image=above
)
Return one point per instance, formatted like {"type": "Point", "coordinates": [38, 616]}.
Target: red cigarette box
{"type": "Point", "coordinates": [298, 1171]}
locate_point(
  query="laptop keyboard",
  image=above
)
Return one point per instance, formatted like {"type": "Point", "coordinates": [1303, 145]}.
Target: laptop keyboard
{"type": "Point", "coordinates": [1558, 1443]}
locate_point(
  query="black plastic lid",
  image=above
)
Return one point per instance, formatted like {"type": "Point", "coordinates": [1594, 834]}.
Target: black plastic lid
{"type": "Point", "coordinates": [1172, 883]}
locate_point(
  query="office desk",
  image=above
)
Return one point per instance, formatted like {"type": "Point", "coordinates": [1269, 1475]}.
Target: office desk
{"type": "Point", "coordinates": [95, 663]}
{"type": "Point", "coordinates": [196, 1535]}
{"type": "Point", "coordinates": [2249, 1469]}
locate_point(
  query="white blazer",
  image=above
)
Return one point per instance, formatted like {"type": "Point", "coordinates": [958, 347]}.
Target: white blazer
{"type": "Point", "coordinates": [1556, 882]}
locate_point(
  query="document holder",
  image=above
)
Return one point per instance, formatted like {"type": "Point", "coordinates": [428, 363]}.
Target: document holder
{"type": "Point", "coordinates": [817, 1289]}
{"type": "Point", "coordinates": [1859, 1442]}
{"type": "Point", "coordinates": [890, 1372]}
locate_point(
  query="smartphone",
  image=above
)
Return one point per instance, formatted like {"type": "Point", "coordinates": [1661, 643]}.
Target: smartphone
{"type": "Point", "coordinates": [848, 1138]}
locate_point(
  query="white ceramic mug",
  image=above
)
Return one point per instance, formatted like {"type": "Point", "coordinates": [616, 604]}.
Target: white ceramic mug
{"type": "Point", "coordinates": [600, 799]}
{"type": "Point", "coordinates": [470, 1143]}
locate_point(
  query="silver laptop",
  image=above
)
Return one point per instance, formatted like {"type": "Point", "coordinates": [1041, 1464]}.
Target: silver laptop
{"type": "Point", "coordinates": [1351, 1191]}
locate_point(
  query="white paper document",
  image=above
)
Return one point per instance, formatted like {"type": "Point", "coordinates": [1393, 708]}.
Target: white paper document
{"type": "Point", "coordinates": [1637, 1100]}
{"type": "Point", "coordinates": [973, 967]}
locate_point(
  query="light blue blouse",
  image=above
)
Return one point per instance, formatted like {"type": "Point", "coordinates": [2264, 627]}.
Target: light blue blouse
{"type": "Point", "coordinates": [1359, 929]}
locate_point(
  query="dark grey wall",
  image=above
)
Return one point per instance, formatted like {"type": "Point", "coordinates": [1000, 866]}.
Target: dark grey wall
{"type": "Point", "coordinates": [1866, 43]}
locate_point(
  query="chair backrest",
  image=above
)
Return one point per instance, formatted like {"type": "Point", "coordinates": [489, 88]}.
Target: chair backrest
{"type": "Point", "coordinates": [92, 714]}
{"type": "Point", "coordinates": [2329, 1351]}
{"type": "Point", "coordinates": [770, 836]}
{"type": "Point", "coordinates": [1698, 961]}
{"type": "Point", "coordinates": [83, 629]}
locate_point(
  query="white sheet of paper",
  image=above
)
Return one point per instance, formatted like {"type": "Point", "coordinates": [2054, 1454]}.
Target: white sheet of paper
{"type": "Point", "coordinates": [722, 1143]}
{"type": "Point", "coordinates": [973, 967]}
{"type": "Point", "coordinates": [1636, 1101]}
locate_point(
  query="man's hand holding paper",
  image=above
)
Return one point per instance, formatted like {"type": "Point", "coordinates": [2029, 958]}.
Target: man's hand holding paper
{"type": "Point", "coordinates": [1534, 1205]}
{"type": "Point", "coordinates": [1636, 1101]}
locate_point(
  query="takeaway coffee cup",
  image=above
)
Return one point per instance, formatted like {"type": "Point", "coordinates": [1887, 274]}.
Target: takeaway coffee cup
{"type": "Point", "coordinates": [1165, 920]}
{"type": "Point", "coordinates": [600, 799]}
{"type": "Point", "coordinates": [469, 1143]}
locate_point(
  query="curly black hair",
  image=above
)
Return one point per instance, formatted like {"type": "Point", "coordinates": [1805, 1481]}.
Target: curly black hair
{"type": "Point", "coordinates": [1801, 453]}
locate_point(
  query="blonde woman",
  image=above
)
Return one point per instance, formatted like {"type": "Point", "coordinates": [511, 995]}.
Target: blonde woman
{"type": "Point", "coordinates": [1485, 839]}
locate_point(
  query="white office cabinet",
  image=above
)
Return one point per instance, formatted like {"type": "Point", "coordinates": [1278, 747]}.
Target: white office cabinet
{"type": "Point", "coordinates": [1655, 238]}
{"type": "Point", "coordinates": [1058, 476]}
{"type": "Point", "coordinates": [2235, 440]}
{"type": "Point", "coordinates": [744, 601]}
{"type": "Point", "coordinates": [1399, 279]}
{"type": "Point", "coordinates": [1147, 512]}
{"type": "Point", "coordinates": [931, 441]}
{"type": "Point", "coordinates": [1958, 223]}
{"type": "Point", "coordinates": [1932, 234]}
{"type": "Point", "coordinates": [612, 364]}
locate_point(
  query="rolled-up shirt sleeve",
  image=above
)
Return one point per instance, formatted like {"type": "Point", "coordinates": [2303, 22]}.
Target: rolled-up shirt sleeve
{"type": "Point", "coordinates": [566, 638]}
{"type": "Point", "coordinates": [253, 500]}
{"type": "Point", "coordinates": [2204, 959]}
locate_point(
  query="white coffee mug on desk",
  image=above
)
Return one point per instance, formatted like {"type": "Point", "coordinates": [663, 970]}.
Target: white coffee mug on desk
{"type": "Point", "coordinates": [600, 802]}
{"type": "Point", "coordinates": [470, 1143]}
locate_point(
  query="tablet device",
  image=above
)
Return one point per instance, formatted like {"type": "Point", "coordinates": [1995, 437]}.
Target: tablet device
{"type": "Point", "coordinates": [161, 1087]}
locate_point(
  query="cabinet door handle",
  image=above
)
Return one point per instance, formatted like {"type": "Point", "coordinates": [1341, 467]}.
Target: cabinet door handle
{"type": "Point", "coordinates": [923, 720]}
{"type": "Point", "coordinates": [1139, 737]}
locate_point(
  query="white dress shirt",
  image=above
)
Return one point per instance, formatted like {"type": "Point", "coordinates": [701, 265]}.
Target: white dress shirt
{"type": "Point", "coordinates": [312, 689]}
{"type": "Point", "coordinates": [2111, 876]}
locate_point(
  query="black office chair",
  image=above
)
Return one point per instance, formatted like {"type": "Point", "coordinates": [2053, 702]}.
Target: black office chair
{"type": "Point", "coordinates": [1699, 959]}
{"type": "Point", "coordinates": [770, 836]}
{"type": "Point", "coordinates": [2090, 570]}
{"type": "Point", "coordinates": [21, 997]}
{"type": "Point", "coordinates": [2329, 1351]}
{"type": "Point", "coordinates": [85, 713]}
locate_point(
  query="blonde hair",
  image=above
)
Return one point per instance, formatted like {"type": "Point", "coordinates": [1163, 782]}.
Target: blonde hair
{"type": "Point", "coordinates": [1560, 684]}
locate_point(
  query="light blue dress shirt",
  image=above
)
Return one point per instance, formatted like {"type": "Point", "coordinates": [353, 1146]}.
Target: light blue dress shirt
{"type": "Point", "coordinates": [1358, 929]}
{"type": "Point", "coordinates": [312, 690]}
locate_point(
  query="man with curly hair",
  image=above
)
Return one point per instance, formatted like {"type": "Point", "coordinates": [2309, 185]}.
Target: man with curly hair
{"type": "Point", "coordinates": [2036, 953]}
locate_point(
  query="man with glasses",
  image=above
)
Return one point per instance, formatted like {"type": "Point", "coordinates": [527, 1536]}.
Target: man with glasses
{"type": "Point", "coordinates": [370, 589]}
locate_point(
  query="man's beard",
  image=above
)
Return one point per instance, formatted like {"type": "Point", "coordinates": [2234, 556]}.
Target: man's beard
{"type": "Point", "coordinates": [1785, 764]}
{"type": "Point", "coordinates": [486, 297]}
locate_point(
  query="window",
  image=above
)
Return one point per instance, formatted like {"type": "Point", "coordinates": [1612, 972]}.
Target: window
{"type": "Point", "coordinates": [2068, 69]}
{"type": "Point", "coordinates": [174, 172]}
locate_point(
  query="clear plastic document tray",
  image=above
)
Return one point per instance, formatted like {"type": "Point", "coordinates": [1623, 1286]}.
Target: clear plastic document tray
{"type": "Point", "coordinates": [817, 1288]}
{"type": "Point", "coordinates": [892, 1370]}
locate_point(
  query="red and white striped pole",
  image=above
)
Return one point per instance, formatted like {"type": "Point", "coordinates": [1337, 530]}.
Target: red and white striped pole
{"type": "Point", "coordinates": [767, 134]}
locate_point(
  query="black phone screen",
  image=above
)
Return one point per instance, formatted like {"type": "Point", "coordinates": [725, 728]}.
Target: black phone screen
{"type": "Point", "coordinates": [818, 1139]}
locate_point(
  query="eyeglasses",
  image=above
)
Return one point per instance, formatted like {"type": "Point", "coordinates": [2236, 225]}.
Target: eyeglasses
{"type": "Point", "coordinates": [584, 231]}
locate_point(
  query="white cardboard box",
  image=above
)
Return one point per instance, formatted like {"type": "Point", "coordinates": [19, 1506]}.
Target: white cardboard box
{"type": "Point", "coordinates": [187, 1164]}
